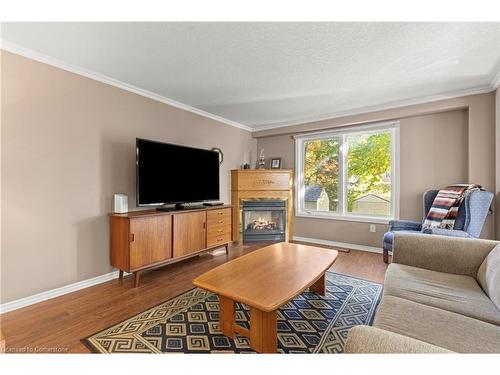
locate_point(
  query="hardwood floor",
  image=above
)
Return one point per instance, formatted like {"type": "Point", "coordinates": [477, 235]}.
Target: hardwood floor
{"type": "Point", "coordinates": [58, 325]}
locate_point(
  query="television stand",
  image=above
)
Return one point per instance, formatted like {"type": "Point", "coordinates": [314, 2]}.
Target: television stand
{"type": "Point", "coordinates": [147, 239]}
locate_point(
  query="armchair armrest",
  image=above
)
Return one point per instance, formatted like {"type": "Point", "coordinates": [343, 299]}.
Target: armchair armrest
{"type": "Point", "coordinates": [365, 339]}
{"type": "Point", "coordinates": [446, 232]}
{"type": "Point", "coordinates": [395, 225]}
{"type": "Point", "coordinates": [461, 256]}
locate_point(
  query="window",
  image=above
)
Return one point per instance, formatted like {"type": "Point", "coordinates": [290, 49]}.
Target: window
{"type": "Point", "coordinates": [349, 174]}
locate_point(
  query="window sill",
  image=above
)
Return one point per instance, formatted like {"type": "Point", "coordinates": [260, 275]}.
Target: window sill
{"type": "Point", "coordinates": [360, 219]}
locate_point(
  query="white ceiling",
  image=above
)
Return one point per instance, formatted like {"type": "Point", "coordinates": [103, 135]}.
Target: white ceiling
{"type": "Point", "coordinates": [270, 74]}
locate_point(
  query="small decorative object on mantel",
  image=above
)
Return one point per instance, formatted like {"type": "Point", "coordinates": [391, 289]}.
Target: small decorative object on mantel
{"type": "Point", "coordinates": [246, 166]}
{"type": "Point", "coordinates": [262, 160]}
{"type": "Point", "coordinates": [221, 154]}
{"type": "Point", "coordinates": [276, 163]}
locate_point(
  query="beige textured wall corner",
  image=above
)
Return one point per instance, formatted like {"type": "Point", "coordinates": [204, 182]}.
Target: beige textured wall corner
{"type": "Point", "coordinates": [497, 151]}
{"type": "Point", "coordinates": [67, 145]}
{"type": "Point", "coordinates": [441, 143]}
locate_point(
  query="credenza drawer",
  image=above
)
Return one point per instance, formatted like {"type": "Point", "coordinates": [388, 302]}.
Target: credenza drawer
{"type": "Point", "coordinates": [218, 230]}
{"type": "Point", "coordinates": [218, 222]}
{"type": "Point", "coordinates": [214, 216]}
{"type": "Point", "coordinates": [218, 239]}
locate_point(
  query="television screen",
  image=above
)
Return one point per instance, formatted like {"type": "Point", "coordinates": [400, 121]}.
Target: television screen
{"type": "Point", "coordinates": [169, 173]}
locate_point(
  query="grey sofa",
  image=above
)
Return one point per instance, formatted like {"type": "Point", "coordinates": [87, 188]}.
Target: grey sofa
{"type": "Point", "coordinates": [441, 294]}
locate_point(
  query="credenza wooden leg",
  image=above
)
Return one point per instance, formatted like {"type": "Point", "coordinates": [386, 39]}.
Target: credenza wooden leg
{"type": "Point", "coordinates": [136, 279]}
{"type": "Point", "coordinates": [226, 316]}
{"type": "Point", "coordinates": [319, 286]}
{"type": "Point", "coordinates": [227, 248]}
{"type": "Point", "coordinates": [263, 331]}
{"type": "Point", "coordinates": [120, 276]}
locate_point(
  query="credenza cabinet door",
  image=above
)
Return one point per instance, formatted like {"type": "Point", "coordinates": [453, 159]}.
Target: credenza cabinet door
{"type": "Point", "coordinates": [150, 240]}
{"type": "Point", "coordinates": [189, 233]}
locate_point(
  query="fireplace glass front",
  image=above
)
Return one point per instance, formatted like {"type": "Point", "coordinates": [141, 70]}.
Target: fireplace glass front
{"type": "Point", "coordinates": [264, 220]}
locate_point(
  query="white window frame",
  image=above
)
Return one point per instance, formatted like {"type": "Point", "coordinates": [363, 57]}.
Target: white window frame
{"type": "Point", "coordinates": [342, 214]}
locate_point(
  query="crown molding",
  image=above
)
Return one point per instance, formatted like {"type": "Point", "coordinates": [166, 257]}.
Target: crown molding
{"type": "Point", "coordinates": [496, 81]}
{"type": "Point", "coordinates": [375, 108]}
{"type": "Point", "coordinates": [33, 55]}
{"type": "Point", "coordinates": [254, 127]}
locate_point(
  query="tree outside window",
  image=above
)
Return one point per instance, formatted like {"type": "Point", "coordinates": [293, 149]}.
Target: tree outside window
{"type": "Point", "coordinates": [357, 183]}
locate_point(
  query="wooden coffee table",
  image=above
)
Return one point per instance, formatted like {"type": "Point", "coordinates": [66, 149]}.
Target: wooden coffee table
{"type": "Point", "coordinates": [265, 280]}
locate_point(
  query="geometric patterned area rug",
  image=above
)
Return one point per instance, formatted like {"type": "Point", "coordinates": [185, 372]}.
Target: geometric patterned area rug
{"type": "Point", "coordinates": [189, 323]}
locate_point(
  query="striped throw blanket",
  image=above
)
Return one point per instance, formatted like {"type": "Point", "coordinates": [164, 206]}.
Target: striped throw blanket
{"type": "Point", "coordinates": [444, 209]}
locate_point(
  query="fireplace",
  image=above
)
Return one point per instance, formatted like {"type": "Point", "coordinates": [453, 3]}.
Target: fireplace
{"type": "Point", "coordinates": [264, 220]}
{"type": "Point", "coordinates": [262, 187]}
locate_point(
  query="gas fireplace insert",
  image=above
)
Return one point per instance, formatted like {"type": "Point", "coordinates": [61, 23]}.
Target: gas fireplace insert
{"type": "Point", "coordinates": [264, 220]}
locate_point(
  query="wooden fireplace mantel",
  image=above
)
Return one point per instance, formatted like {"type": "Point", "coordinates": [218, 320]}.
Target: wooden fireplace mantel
{"type": "Point", "coordinates": [249, 184]}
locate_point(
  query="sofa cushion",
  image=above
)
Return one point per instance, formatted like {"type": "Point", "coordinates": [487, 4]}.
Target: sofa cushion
{"type": "Point", "coordinates": [366, 339]}
{"type": "Point", "coordinates": [488, 275]}
{"type": "Point", "coordinates": [456, 293]}
{"type": "Point", "coordinates": [435, 326]}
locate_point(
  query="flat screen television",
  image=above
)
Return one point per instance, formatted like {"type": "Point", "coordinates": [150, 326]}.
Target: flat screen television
{"type": "Point", "coordinates": [168, 173]}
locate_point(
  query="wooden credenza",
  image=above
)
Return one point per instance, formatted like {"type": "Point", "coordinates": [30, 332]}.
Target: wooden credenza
{"type": "Point", "coordinates": [147, 239]}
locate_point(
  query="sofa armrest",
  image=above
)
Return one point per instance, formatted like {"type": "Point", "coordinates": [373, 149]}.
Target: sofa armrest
{"type": "Point", "coordinates": [461, 256]}
{"type": "Point", "coordinates": [446, 232]}
{"type": "Point", "coordinates": [365, 339]}
{"type": "Point", "coordinates": [395, 225]}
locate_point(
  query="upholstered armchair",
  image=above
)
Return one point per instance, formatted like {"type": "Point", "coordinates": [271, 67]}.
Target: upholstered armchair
{"type": "Point", "coordinates": [469, 222]}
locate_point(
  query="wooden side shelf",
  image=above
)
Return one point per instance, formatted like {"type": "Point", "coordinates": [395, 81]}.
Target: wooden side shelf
{"type": "Point", "coordinates": [147, 239]}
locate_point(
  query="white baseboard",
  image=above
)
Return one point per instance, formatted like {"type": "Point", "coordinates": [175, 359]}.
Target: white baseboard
{"type": "Point", "coordinates": [36, 298]}
{"type": "Point", "coordinates": [370, 249]}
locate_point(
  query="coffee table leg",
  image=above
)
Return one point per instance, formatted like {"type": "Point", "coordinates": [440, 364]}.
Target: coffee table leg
{"type": "Point", "coordinates": [263, 331]}
{"type": "Point", "coordinates": [226, 316]}
{"type": "Point", "coordinates": [319, 286]}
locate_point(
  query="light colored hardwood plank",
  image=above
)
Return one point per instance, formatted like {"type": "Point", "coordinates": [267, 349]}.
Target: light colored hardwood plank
{"type": "Point", "coordinates": [361, 264]}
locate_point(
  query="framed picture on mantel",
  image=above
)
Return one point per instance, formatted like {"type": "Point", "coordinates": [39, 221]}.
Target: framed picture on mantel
{"type": "Point", "coordinates": [276, 163]}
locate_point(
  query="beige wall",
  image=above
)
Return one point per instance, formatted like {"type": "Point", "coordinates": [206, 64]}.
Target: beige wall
{"type": "Point", "coordinates": [433, 154]}
{"type": "Point", "coordinates": [497, 142]}
{"type": "Point", "coordinates": [67, 145]}
{"type": "Point", "coordinates": [441, 143]}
